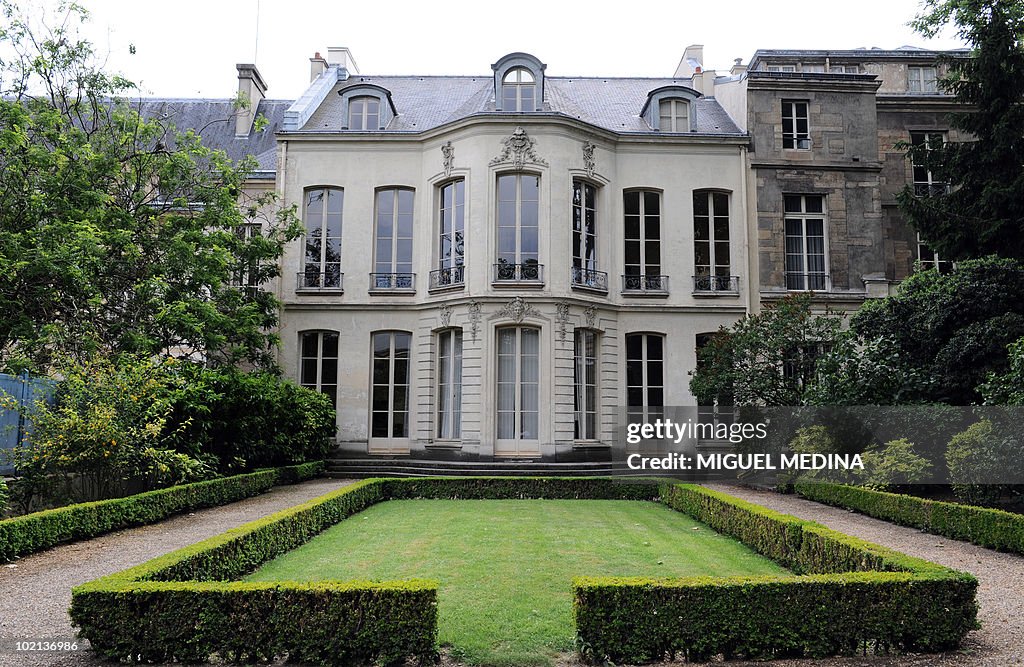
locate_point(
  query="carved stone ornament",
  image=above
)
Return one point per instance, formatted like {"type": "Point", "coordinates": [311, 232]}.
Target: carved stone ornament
{"type": "Point", "coordinates": [518, 150]}
{"type": "Point", "coordinates": [447, 157]}
{"type": "Point", "coordinates": [589, 315]}
{"type": "Point", "coordinates": [588, 158]}
{"type": "Point", "coordinates": [517, 310]}
{"type": "Point", "coordinates": [445, 315]}
{"type": "Point", "coordinates": [474, 318]}
{"type": "Point", "coordinates": [562, 317]}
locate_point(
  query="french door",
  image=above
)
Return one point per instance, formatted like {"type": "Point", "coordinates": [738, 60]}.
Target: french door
{"type": "Point", "coordinates": [518, 392]}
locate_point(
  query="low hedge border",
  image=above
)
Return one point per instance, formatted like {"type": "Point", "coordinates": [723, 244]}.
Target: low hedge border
{"type": "Point", "coordinates": [23, 535]}
{"type": "Point", "coordinates": [855, 596]}
{"type": "Point", "coordinates": [991, 528]}
{"type": "Point", "coordinates": [184, 605]}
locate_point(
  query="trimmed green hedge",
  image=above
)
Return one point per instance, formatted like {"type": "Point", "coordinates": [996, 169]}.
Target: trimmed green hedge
{"type": "Point", "coordinates": [184, 606]}
{"type": "Point", "coordinates": [859, 596]}
{"type": "Point", "coordinates": [992, 528]}
{"type": "Point", "coordinates": [180, 606]}
{"type": "Point", "coordinates": [27, 534]}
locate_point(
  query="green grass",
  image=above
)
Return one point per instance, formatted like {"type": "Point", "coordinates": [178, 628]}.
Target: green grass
{"type": "Point", "coordinates": [505, 566]}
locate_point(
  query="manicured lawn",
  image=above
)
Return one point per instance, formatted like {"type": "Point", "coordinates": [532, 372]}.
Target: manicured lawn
{"type": "Point", "coordinates": [505, 566]}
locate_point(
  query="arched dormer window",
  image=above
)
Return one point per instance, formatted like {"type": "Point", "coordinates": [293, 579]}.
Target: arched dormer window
{"type": "Point", "coordinates": [671, 109]}
{"type": "Point", "coordinates": [518, 83]}
{"type": "Point", "coordinates": [366, 107]}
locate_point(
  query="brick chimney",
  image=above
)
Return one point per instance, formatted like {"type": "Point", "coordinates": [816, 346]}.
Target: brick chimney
{"type": "Point", "coordinates": [253, 88]}
{"type": "Point", "coordinates": [317, 65]}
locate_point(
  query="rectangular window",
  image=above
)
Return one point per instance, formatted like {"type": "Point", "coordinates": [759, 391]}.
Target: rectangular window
{"type": "Point", "coordinates": [393, 263]}
{"type": "Point", "coordinates": [518, 403]}
{"type": "Point", "coordinates": [674, 116]}
{"type": "Point", "coordinates": [586, 385]}
{"type": "Point", "coordinates": [812, 69]}
{"type": "Point", "coordinates": [449, 384]}
{"type": "Point", "coordinates": [247, 271]}
{"type": "Point", "coordinates": [584, 238]}
{"type": "Point", "coordinates": [643, 242]}
{"type": "Point", "coordinates": [318, 362]}
{"type": "Point", "coordinates": [929, 259]}
{"type": "Point", "coordinates": [795, 128]}
{"type": "Point", "coordinates": [364, 113]}
{"type": "Point", "coordinates": [712, 270]}
{"type": "Point", "coordinates": [322, 257]}
{"type": "Point", "coordinates": [518, 231]}
{"type": "Point", "coordinates": [389, 391]}
{"type": "Point", "coordinates": [451, 236]}
{"type": "Point", "coordinates": [806, 264]}
{"type": "Point", "coordinates": [925, 182]}
{"type": "Point", "coordinates": [781, 68]}
{"type": "Point", "coordinates": [922, 80]}
{"type": "Point", "coordinates": [645, 375]}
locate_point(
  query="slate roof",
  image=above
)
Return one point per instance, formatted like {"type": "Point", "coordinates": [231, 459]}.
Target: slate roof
{"type": "Point", "coordinates": [427, 102]}
{"type": "Point", "coordinates": [214, 119]}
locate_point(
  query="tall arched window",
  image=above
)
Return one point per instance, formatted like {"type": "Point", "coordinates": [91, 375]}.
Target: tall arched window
{"type": "Point", "coordinates": [389, 390]}
{"type": "Point", "coordinates": [449, 384]}
{"type": "Point", "coordinates": [392, 267]}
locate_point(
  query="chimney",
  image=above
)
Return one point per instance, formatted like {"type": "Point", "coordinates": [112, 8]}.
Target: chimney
{"type": "Point", "coordinates": [317, 65]}
{"type": "Point", "coordinates": [704, 82]}
{"type": "Point", "coordinates": [341, 57]}
{"type": "Point", "coordinates": [737, 67]}
{"type": "Point", "coordinates": [691, 62]}
{"type": "Point", "coordinates": [253, 89]}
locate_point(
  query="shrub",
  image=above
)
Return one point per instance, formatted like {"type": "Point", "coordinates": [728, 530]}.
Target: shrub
{"type": "Point", "coordinates": [894, 464]}
{"type": "Point", "coordinates": [34, 532]}
{"type": "Point", "coordinates": [858, 596]}
{"type": "Point", "coordinates": [986, 527]}
{"type": "Point", "coordinates": [250, 420]}
{"type": "Point", "coordinates": [4, 496]}
{"type": "Point", "coordinates": [977, 458]}
{"type": "Point", "coordinates": [108, 425]}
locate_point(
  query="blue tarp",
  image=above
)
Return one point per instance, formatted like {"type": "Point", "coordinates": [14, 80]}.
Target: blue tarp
{"type": "Point", "coordinates": [26, 390]}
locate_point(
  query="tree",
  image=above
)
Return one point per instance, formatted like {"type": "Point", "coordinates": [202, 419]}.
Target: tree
{"type": "Point", "coordinates": [982, 212]}
{"type": "Point", "coordinates": [949, 331]}
{"type": "Point", "coordinates": [120, 233]}
{"type": "Point", "coordinates": [768, 358]}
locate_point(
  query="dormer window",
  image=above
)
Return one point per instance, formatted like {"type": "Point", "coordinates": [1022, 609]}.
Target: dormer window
{"type": "Point", "coordinates": [518, 83]}
{"type": "Point", "coordinates": [367, 107]}
{"type": "Point", "coordinates": [674, 115]}
{"type": "Point", "coordinates": [518, 90]}
{"type": "Point", "coordinates": [364, 113]}
{"type": "Point", "coordinates": [671, 109]}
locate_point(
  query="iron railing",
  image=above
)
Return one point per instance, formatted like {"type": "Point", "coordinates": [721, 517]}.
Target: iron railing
{"type": "Point", "coordinates": [645, 284]}
{"type": "Point", "coordinates": [312, 279]}
{"type": "Point", "coordinates": [589, 278]}
{"type": "Point", "coordinates": [518, 273]}
{"type": "Point", "coordinates": [392, 281]}
{"type": "Point", "coordinates": [453, 276]}
{"type": "Point", "coordinates": [707, 283]}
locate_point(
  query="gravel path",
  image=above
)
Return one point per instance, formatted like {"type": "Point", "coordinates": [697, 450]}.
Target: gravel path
{"type": "Point", "coordinates": [999, 643]}
{"type": "Point", "coordinates": [36, 592]}
{"type": "Point", "coordinates": [34, 595]}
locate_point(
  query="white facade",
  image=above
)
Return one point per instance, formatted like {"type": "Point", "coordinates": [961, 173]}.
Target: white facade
{"type": "Point", "coordinates": [532, 384]}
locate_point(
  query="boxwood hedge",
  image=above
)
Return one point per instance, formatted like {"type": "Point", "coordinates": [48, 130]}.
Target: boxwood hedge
{"type": "Point", "coordinates": [185, 606]}
{"type": "Point", "coordinates": [29, 533]}
{"type": "Point", "coordinates": [992, 528]}
{"type": "Point", "coordinates": [856, 596]}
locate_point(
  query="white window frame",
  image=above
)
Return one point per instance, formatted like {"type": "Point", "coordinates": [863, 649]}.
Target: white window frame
{"type": "Point", "coordinates": [796, 139]}
{"type": "Point", "coordinates": [922, 79]}
{"type": "Point", "coordinates": [715, 276]}
{"type": "Point", "coordinates": [928, 186]}
{"type": "Point", "coordinates": [806, 280]}
{"type": "Point", "coordinates": [396, 272]}
{"type": "Point", "coordinates": [584, 236]}
{"type": "Point", "coordinates": [780, 68]}
{"type": "Point", "coordinates": [515, 80]}
{"type": "Point", "coordinates": [328, 273]}
{"type": "Point", "coordinates": [520, 259]}
{"type": "Point", "coordinates": [930, 259]}
{"type": "Point", "coordinates": [586, 384]}
{"type": "Point", "coordinates": [646, 268]}
{"type": "Point", "coordinates": [645, 410]}
{"type": "Point", "coordinates": [392, 386]}
{"type": "Point", "coordinates": [449, 384]}
{"type": "Point", "coordinates": [359, 114]}
{"type": "Point", "coordinates": [674, 115]}
{"type": "Point", "coordinates": [244, 272]}
{"type": "Point", "coordinates": [451, 228]}
{"type": "Point", "coordinates": [322, 380]}
{"type": "Point", "coordinates": [519, 409]}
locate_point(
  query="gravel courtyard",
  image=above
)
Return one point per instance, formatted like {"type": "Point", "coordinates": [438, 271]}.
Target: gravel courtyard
{"type": "Point", "coordinates": [36, 592]}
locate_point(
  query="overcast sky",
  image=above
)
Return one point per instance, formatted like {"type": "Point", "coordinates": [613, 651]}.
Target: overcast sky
{"type": "Point", "coordinates": [189, 48]}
